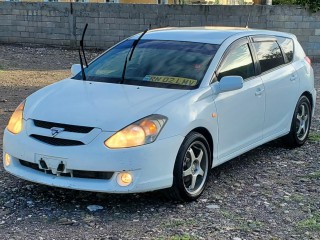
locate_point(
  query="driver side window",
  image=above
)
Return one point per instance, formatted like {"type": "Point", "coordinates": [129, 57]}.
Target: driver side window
{"type": "Point", "coordinates": [238, 63]}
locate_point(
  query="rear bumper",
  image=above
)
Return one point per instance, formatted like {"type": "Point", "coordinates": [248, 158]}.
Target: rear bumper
{"type": "Point", "coordinates": [151, 165]}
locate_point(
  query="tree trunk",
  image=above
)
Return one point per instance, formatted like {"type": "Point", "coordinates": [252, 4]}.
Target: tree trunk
{"type": "Point", "coordinates": [262, 2]}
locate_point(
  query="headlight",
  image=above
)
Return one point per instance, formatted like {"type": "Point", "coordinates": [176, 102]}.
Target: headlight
{"type": "Point", "coordinates": [15, 124]}
{"type": "Point", "coordinates": [139, 133]}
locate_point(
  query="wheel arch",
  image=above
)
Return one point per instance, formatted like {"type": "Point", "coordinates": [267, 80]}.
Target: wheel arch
{"type": "Point", "coordinates": [205, 132]}
{"type": "Point", "coordinates": [309, 96]}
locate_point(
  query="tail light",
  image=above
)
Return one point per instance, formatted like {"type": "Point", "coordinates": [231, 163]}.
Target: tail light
{"type": "Point", "coordinates": [308, 60]}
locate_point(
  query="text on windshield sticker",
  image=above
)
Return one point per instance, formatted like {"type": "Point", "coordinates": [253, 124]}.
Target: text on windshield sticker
{"type": "Point", "coordinates": [171, 80]}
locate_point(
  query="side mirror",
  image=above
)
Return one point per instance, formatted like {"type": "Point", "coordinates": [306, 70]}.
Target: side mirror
{"type": "Point", "coordinates": [75, 69]}
{"type": "Point", "coordinates": [229, 83]}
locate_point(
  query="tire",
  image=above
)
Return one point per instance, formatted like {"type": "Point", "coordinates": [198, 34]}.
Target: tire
{"type": "Point", "coordinates": [300, 125]}
{"type": "Point", "coordinates": [191, 168]}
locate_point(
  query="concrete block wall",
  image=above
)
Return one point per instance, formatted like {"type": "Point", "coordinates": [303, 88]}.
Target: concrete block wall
{"type": "Point", "coordinates": [61, 24]}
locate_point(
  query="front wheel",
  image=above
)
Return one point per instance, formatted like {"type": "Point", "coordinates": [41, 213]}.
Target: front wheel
{"type": "Point", "coordinates": [300, 125]}
{"type": "Point", "coordinates": [191, 168]}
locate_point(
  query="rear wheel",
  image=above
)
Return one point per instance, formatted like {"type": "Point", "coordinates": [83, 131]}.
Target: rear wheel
{"type": "Point", "coordinates": [300, 125]}
{"type": "Point", "coordinates": [191, 168]}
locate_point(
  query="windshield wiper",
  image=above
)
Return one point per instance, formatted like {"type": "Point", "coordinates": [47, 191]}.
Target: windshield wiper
{"type": "Point", "coordinates": [84, 56]}
{"type": "Point", "coordinates": [134, 44]}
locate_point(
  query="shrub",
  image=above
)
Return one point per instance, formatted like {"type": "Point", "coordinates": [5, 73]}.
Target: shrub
{"type": "Point", "coordinates": [284, 2]}
{"type": "Point", "coordinates": [313, 5]}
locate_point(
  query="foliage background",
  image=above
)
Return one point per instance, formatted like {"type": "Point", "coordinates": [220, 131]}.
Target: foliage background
{"type": "Point", "coordinates": [313, 5]}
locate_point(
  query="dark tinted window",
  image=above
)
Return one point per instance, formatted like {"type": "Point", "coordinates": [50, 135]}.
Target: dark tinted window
{"type": "Point", "coordinates": [238, 62]}
{"type": "Point", "coordinates": [269, 55]}
{"type": "Point", "coordinates": [168, 64]}
{"type": "Point", "coordinates": [287, 46]}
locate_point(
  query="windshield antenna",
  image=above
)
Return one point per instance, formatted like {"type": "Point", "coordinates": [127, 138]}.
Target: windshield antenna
{"type": "Point", "coordinates": [84, 56]}
{"type": "Point", "coordinates": [133, 46]}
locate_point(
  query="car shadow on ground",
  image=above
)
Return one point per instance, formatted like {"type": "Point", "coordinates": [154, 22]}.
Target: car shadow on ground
{"type": "Point", "coordinates": [42, 197]}
{"type": "Point", "coordinates": [68, 199]}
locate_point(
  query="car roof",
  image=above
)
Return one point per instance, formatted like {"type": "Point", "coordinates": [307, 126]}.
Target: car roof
{"type": "Point", "coordinates": [206, 34]}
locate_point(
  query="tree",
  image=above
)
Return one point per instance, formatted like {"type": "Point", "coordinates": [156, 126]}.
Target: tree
{"type": "Point", "coordinates": [313, 5]}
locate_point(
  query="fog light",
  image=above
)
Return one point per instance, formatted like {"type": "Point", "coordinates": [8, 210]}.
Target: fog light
{"type": "Point", "coordinates": [7, 160]}
{"type": "Point", "coordinates": [124, 179]}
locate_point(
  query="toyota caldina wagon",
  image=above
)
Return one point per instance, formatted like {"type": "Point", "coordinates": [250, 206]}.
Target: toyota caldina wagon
{"type": "Point", "coordinates": [161, 108]}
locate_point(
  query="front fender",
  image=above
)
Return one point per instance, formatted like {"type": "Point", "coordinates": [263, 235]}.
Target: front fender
{"type": "Point", "coordinates": [194, 110]}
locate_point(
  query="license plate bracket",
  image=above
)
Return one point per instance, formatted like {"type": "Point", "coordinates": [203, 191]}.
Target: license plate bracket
{"type": "Point", "coordinates": [54, 164]}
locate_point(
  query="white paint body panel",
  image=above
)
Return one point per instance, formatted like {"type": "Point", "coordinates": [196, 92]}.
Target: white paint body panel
{"type": "Point", "coordinates": [244, 119]}
{"type": "Point", "coordinates": [109, 107]}
{"type": "Point", "coordinates": [240, 117]}
{"type": "Point", "coordinates": [281, 89]}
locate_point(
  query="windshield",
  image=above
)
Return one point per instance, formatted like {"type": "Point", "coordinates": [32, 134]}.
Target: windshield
{"type": "Point", "coordinates": [168, 64]}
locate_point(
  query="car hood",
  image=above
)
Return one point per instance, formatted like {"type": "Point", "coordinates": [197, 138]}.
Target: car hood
{"type": "Point", "coordinates": [103, 105]}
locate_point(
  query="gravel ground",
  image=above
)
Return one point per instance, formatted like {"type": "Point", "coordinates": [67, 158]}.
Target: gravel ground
{"type": "Point", "coordinates": [268, 193]}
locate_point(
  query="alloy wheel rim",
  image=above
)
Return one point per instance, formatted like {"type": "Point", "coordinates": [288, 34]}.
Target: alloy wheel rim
{"type": "Point", "coordinates": [302, 121]}
{"type": "Point", "coordinates": [195, 168]}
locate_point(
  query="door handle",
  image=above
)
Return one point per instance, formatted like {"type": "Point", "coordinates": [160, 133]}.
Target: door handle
{"type": "Point", "coordinates": [293, 77]}
{"type": "Point", "coordinates": [259, 91]}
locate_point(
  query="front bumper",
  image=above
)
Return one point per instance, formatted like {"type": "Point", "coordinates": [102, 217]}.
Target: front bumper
{"type": "Point", "coordinates": [151, 165]}
{"type": "Point", "coordinates": [314, 96]}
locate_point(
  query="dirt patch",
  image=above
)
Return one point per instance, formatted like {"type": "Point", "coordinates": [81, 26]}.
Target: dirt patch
{"type": "Point", "coordinates": [268, 193]}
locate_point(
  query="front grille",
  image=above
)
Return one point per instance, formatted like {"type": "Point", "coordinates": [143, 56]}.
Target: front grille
{"type": "Point", "coordinates": [67, 127]}
{"type": "Point", "coordinates": [56, 141]}
{"type": "Point", "coordinates": [30, 165]}
{"type": "Point", "coordinates": [72, 173]}
{"type": "Point", "coordinates": [92, 174]}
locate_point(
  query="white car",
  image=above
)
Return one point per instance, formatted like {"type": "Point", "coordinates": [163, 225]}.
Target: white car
{"type": "Point", "coordinates": [159, 109]}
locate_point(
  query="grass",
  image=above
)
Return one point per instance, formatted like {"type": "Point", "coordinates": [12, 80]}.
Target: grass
{"type": "Point", "coordinates": [179, 223]}
{"type": "Point", "coordinates": [177, 237]}
{"type": "Point", "coordinates": [247, 226]}
{"type": "Point", "coordinates": [311, 223]}
{"type": "Point", "coordinates": [314, 137]}
{"type": "Point", "coordinates": [314, 175]}
{"type": "Point", "coordinates": [1, 68]}
{"type": "Point", "coordinates": [184, 237]}
{"type": "Point", "coordinates": [297, 197]}
{"type": "Point", "coordinates": [241, 223]}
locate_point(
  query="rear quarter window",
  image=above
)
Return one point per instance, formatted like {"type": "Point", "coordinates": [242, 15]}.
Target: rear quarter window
{"type": "Point", "coordinates": [269, 55]}
{"type": "Point", "coordinates": [286, 45]}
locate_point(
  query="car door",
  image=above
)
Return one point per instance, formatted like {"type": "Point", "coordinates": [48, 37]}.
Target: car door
{"type": "Point", "coordinates": [281, 84]}
{"type": "Point", "coordinates": [240, 112]}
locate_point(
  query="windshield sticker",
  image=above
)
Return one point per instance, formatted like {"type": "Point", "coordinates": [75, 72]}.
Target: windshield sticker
{"type": "Point", "coordinates": [171, 80]}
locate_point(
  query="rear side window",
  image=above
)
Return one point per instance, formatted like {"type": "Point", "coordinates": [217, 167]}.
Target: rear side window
{"type": "Point", "coordinates": [287, 47]}
{"type": "Point", "coordinates": [238, 62]}
{"type": "Point", "coordinates": [269, 55]}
